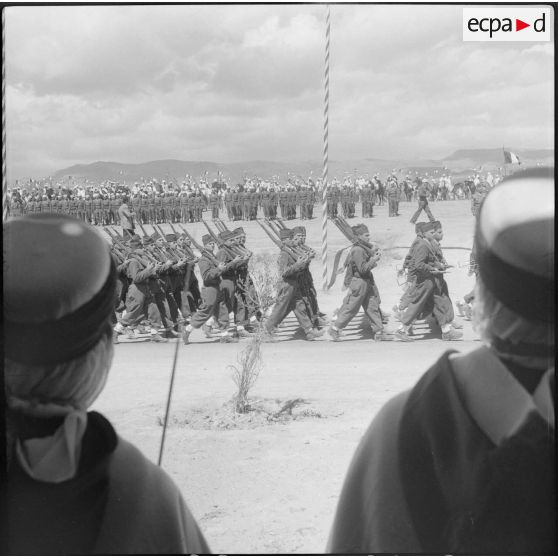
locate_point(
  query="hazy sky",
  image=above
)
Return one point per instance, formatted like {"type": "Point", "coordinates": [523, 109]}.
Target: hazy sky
{"type": "Point", "coordinates": [238, 83]}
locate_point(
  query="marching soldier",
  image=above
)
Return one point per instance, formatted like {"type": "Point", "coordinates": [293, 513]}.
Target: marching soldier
{"type": "Point", "coordinates": [307, 281]}
{"type": "Point", "coordinates": [190, 296]}
{"type": "Point", "coordinates": [229, 305]}
{"type": "Point", "coordinates": [363, 291]}
{"type": "Point", "coordinates": [289, 295]}
{"type": "Point", "coordinates": [408, 269]}
{"type": "Point", "coordinates": [139, 296]}
{"type": "Point", "coordinates": [247, 310]}
{"type": "Point", "coordinates": [212, 296]}
{"type": "Point", "coordinates": [422, 193]}
{"type": "Point", "coordinates": [428, 295]}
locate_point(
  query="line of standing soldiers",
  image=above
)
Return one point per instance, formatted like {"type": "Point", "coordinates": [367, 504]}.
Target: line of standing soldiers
{"type": "Point", "coordinates": [244, 205]}
{"type": "Point", "coordinates": [348, 197]}
{"type": "Point", "coordinates": [96, 209]}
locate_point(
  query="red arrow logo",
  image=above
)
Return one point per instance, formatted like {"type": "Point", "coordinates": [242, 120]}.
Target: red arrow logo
{"type": "Point", "coordinates": [519, 25]}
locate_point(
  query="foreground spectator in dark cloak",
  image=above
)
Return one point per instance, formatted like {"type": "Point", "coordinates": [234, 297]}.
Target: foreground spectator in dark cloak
{"type": "Point", "coordinates": [464, 463]}
{"type": "Point", "coordinates": [73, 486]}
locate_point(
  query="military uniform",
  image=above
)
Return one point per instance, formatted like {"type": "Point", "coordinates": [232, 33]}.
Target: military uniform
{"type": "Point", "coordinates": [229, 205]}
{"type": "Point", "coordinates": [289, 295]}
{"type": "Point", "coordinates": [422, 193]}
{"type": "Point", "coordinates": [273, 203]}
{"type": "Point", "coordinates": [105, 209]}
{"type": "Point", "coordinates": [214, 204]}
{"type": "Point", "coordinates": [211, 294]}
{"type": "Point", "coordinates": [283, 203]}
{"type": "Point", "coordinates": [363, 292]}
{"type": "Point", "coordinates": [428, 296]}
{"type": "Point", "coordinates": [183, 203]}
{"type": "Point", "coordinates": [265, 198]}
{"type": "Point", "coordinates": [393, 198]}
{"type": "Point", "coordinates": [310, 201]}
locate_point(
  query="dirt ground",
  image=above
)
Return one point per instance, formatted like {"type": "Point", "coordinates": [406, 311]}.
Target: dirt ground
{"type": "Point", "coordinates": [261, 486]}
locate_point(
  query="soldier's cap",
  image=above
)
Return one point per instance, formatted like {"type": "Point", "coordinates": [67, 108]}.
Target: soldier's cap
{"type": "Point", "coordinates": [359, 229]}
{"type": "Point", "coordinates": [239, 230]}
{"type": "Point", "coordinates": [226, 235]}
{"type": "Point", "coordinates": [418, 227]}
{"type": "Point", "coordinates": [59, 288]}
{"type": "Point", "coordinates": [148, 240]}
{"type": "Point", "coordinates": [135, 242]}
{"type": "Point", "coordinates": [515, 243]}
{"type": "Point", "coordinates": [170, 237]}
{"type": "Point", "coordinates": [155, 236]}
{"type": "Point", "coordinates": [299, 230]}
{"type": "Point", "coordinates": [207, 239]}
{"type": "Point", "coordinates": [430, 226]}
{"type": "Point", "coordinates": [437, 224]}
{"type": "Point", "coordinates": [286, 233]}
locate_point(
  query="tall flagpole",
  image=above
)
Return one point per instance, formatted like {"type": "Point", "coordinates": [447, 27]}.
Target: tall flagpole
{"type": "Point", "coordinates": [326, 153]}
{"type": "Point", "coordinates": [5, 208]}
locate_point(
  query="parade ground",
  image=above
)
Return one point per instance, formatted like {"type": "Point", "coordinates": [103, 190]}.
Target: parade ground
{"type": "Point", "coordinates": [271, 485]}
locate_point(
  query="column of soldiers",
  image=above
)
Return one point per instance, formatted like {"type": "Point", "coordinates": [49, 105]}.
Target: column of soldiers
{"type": "Point", "coordinates": [158, 286]}
{"type": "Point", "coordinates": [427, 292]}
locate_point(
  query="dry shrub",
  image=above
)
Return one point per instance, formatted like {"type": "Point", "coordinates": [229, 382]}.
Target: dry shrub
{"type": "Point", "coordinates": [264, 273]}
{"type": "Point", "coordinates": [246, 371]}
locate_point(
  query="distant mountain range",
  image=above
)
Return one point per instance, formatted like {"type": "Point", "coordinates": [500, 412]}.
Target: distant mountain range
{"type": "Point", "coordinates": [459, 163]}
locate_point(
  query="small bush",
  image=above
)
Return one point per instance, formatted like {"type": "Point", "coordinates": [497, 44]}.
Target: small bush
{"type": "Point", "coordinates": [246, 372]}
{"type": "Point", "coordinates": [264, 275]}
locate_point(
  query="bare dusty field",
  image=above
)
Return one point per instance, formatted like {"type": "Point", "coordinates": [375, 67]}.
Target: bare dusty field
{"type": "Point", "coordinates": [257, 486]}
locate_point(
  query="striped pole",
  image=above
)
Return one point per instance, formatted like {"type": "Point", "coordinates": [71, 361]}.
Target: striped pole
{"type": "Point", "coordinates": [326, 152]}
{"type": "Point", "coordinates": [4, 177]}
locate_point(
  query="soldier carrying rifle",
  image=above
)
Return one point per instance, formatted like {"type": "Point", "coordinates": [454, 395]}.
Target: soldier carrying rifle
{"type": "Point", "coordinates": [363, 291]}
{"type": "Point", "coordinates": [292, 266]}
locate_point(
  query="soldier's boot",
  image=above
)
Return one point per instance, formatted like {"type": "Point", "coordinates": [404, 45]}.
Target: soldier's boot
{"type": "Point", "coordinates": [452, 335]}
{"type": "Point", "coordinates": [384, 336]}
{"type": "Point", "coordinates": [186, 336]}
{"type": "Point", "coordinates": [313, 334]}
{"type": "Point", "coordinates": [334, 334]}
{"type": "Point", "coordinates": [156, 338]}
